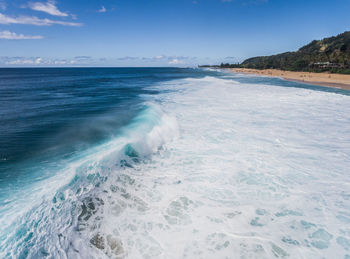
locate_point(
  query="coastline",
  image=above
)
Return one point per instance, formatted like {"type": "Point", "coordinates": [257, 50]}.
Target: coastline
{"type": "Point", "coordinates": [324, 79]}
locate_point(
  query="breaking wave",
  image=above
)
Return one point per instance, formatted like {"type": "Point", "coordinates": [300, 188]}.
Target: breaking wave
{"type": "Point", "coordinates": [211, 168]}
{"type": "Point", "coordinates": [53, 226]}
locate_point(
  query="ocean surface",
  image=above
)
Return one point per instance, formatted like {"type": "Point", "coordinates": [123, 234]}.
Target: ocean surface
{"type": "Point", "coordinates": [171, 163]}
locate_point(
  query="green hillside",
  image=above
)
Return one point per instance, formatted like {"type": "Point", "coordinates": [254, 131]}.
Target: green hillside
{"type": "Point", "coordinates": [330, 54]}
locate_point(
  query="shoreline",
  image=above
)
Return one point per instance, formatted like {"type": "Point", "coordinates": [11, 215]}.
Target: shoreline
{"type": "Point", "coordinates": [339, 81]}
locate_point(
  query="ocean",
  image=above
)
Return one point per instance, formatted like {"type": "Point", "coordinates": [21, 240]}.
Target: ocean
{"type": "Point", "coordinates": [171, 163]}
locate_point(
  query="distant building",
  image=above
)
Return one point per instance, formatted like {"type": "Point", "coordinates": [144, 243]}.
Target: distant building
{"type": "Point", "coordinates": [325, 65]}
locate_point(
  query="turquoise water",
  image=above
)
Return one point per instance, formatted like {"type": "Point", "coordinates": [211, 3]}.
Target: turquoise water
{"type": "Point", "coordinates": [171, 163]}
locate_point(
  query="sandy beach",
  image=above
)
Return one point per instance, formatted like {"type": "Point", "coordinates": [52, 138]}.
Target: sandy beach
{"type": "Point", "coordinates": [324, 79]}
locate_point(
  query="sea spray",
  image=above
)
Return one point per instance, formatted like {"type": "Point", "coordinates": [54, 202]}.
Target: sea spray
{"type": "Point", "coordinates": [52, 223]}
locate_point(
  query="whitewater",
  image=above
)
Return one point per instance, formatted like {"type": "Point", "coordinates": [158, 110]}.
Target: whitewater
{"type": "Point", "coordinates": [227, 166]}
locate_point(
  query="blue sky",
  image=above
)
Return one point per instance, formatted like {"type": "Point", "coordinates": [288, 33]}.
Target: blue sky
{"type": "Point", "coordinates": [160, 32]}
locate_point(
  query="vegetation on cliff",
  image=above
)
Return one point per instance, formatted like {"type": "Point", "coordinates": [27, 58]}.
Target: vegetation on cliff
{"type": "Point", "coordinates": [329, 54]}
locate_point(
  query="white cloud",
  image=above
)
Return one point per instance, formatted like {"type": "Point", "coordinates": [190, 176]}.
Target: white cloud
{"type": "Point", "coordinates": [102, 10]}
{"type": "Point", "coordinates": [33, 20]}
{"type": "Point", "coordinates": [60, 62]}
{"type": "Point", "coordinates": [38, 61]}
{"type": "Point", "coordinates": [175, 61]}
{"type": "Point", "coordinates": [128, 58]}
{"type": "Point", "coordinates": [162, 60]}
{"type": "Point", "coordinates": [20, 61]}
{"type": "Point", "coordinates": [48, 7]}
{"type": "Point", "coordinates": [14, 36]}
{"type": "Point", "coordinates": [82, 57]}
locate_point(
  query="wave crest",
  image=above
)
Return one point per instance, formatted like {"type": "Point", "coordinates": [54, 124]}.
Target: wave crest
{"type": "Point", "coordinates": [50, 227]}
